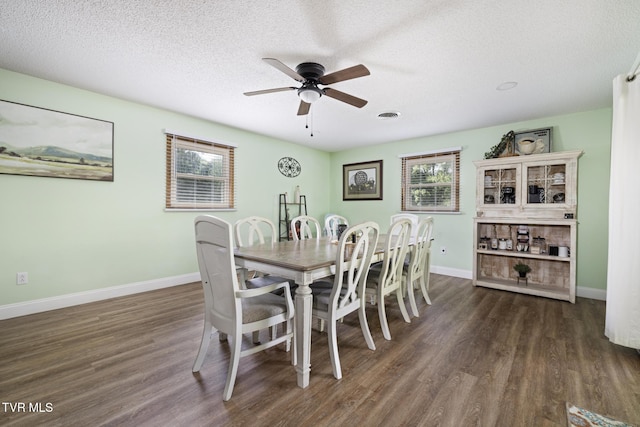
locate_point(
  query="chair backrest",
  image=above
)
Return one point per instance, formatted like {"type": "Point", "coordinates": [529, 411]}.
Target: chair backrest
{"type": "Point", "coordinates": [395, 251]}
{"type": "Point", "coordinates": [254, 229]}
{"type": "Point", "coordinates": [412, 217]}
{"type": "Point", "coordinates": [214, 246]}
{"type": "Point", "coordinates": [331, 224]}
{"type": "Point", "coordinates": [421, 247]}
{"type": "Point", "coordinates": [303, 227]}
{"type": "Point", "coordinates": [352, 263]}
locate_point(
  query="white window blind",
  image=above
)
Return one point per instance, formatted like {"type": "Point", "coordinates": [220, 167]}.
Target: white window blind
{"type": "Point", "coordinates": [431, 182]}
{"type": "Point", "coordinates": [200, 174]}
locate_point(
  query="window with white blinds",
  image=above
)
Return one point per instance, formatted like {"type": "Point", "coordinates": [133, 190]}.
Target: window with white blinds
{"type": "Point", "coordinates": [431, 182]}
{"type": "Point", "coordinates": [200, 174]}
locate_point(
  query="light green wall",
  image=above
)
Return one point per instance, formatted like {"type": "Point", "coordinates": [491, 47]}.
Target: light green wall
{"type": "Point", "coordinates": [75, 235]}
{"type": "Point", "coordinates": [588, 131]}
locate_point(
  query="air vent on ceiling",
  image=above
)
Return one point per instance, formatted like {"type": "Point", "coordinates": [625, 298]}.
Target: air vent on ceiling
{"type": "Point", "coordinates": [389, 115]}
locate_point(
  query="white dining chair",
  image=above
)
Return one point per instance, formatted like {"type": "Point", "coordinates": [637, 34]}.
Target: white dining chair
{"type": "Point", "coordinates": [258, 230]}
{"type": "Point", "coordinates": [418, 269]}
{"type": "Point", "coordinates": [415, 219]}
{"type": "Point", "coordinates": [303, 227]}
{"type": "Point", "coordinates": [346, 293]}
{"type": "Point", "coordinates": [254, 229]}
{"type": "Point", "coordinates": [332, 223]}
{"type": "Point", "coordinates": [231, 310]}
{"type": "Point", "coordinates": [386, 278]}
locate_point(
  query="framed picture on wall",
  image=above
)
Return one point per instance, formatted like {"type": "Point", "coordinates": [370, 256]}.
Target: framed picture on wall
{"type": "Point", "coordinates": [36, 141]}
{"type": "Point", "coordinates": [533, 142]}
{"type": "Point", "coordinates": [362, 181]}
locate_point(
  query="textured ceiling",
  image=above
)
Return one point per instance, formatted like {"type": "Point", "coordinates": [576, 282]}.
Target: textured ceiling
{"type": "Point", "coordinates": [436, 62]}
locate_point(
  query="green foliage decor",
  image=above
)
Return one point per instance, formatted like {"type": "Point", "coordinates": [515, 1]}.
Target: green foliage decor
{"type": "Point", "coordinates": [505, 143]}
{"type": "Point", "coordinates": [522, 268]}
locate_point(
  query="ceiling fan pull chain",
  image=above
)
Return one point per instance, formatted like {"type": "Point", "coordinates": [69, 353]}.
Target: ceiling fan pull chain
{"type": "Point", "coordinates": [306, 125]}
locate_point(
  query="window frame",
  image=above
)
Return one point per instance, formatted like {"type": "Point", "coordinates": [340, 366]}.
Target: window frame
{"type": "Point", "coordinates": [409, 160]}
{"type": "Point", "coordinates": [172, 191]}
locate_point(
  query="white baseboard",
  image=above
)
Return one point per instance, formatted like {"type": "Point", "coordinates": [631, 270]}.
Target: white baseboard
{"type": "Point", "coordinates": [453, 272]}
{"type": "Point", "coordinates": [53, 303]}
{"type": "Point", "coordinates": [591, 293]}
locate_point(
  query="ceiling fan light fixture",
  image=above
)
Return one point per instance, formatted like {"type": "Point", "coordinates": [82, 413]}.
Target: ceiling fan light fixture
{"type": "Point", "coordinates": [309, 94]}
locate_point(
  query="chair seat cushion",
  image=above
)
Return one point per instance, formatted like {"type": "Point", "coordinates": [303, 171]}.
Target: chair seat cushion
{"type": "Point", "coordinates": [321, 297]}
{"type": "Point", "coordinates": [324, 283]}
{"type": "Point", "coordinates": [327, 282]}
{"type": "Point", "coordinates": [262, 307]}
{"type": "Point", "coordinates": [261, 281]}
{"type": "Point", "coordinates": [372, 279]}
{"type": "Point", "coordinates": [376, 266]}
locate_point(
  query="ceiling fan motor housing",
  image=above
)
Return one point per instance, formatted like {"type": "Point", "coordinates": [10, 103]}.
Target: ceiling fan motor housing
{"type": "Point", "coordinates": [310, 70]}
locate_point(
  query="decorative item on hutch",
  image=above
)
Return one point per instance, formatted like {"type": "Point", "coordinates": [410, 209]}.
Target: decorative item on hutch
{"type": "Point", "coordinates": [296, 195]}
{"type": "Point", "coordinates": [502, 149]}
{"type": "Point", "coordinates": [535, 141]}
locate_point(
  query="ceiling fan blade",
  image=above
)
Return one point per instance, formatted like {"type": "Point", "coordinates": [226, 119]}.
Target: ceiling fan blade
{"type": "Point", "coordinates": [280, 66]}
{"type": "Point", "coordinates": [344, 97]}
{"type": "Point", "coordinates": [261, 92]}
{"type": "Point", "coordinates": [303, 110]}
{"type": "Point", "coordinates": [346, 74]}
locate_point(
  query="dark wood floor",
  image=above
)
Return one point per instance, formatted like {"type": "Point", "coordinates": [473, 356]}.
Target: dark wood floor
{"type": "Point", "coordinates": [476, 357]}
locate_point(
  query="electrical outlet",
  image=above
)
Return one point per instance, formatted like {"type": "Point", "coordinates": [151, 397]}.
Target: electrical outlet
{"type": "Point", "coordinates": [22, 278]}
{"type": "Point", "coordinates": [443, 250]}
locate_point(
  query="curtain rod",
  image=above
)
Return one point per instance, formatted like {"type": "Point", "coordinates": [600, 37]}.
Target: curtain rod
{"type": "Point", "coordinates": [634, 69]}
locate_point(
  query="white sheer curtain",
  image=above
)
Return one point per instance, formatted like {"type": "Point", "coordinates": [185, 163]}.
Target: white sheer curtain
{"type": "Point", "coordinates": [623, 278]}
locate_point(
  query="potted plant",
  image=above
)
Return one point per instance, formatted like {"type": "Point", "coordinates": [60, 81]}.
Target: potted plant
{"type": "Point", "coordinates": [522, 269]}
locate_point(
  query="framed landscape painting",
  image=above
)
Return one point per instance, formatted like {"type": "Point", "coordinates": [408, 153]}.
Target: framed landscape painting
{"type": "Point", "coordinates": [362, 181]}
{"type": "Point", "coordinates": [40, 142]}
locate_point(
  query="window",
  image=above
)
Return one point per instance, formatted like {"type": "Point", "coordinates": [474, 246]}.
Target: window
{"type": "Point", "coordinates": [431, 181]}
{"type": "Point", "coordinates": [199, 174]}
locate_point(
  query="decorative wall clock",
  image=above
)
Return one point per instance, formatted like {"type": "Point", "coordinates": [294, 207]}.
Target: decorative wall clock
{"type": "Point", "coordinates": [289, 167]}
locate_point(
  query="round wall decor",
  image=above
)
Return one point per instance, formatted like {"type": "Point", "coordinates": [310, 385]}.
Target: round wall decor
{"type": "Point", "coordinates": [289, 167]}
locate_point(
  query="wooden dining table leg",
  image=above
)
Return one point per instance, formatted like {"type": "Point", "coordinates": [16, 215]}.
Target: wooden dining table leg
{"type": "Point", "coordinates": [303, 307]}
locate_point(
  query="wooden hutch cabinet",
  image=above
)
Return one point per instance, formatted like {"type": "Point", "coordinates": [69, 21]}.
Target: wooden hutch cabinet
{"type": "Point", "coordinates": [526, 212]}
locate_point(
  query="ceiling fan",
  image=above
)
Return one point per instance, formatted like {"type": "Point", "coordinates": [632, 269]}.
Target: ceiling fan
{"type": "Point", "coordinates": [311, 74]}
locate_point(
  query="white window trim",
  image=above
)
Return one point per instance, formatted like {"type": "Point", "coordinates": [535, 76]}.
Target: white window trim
{"type": "Point", "coordinates": [180, 140]}
{"type": "Point", "coordinates": [408, 160]}
{"type": "Point", "coordinates": [199, 138]}
{"type": "Point", "coordinates": [430, 152]}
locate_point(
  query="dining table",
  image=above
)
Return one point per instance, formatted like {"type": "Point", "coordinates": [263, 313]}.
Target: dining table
{"type": "Point", "coordinates": [302, 261]}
